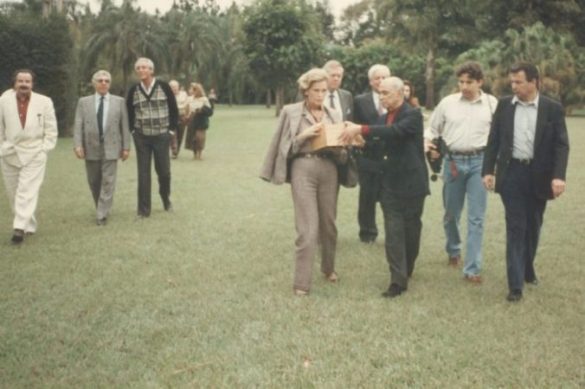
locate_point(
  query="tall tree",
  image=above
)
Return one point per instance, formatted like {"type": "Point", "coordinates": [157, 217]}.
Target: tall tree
{"type": "Point", "coordinates": [281, 43]}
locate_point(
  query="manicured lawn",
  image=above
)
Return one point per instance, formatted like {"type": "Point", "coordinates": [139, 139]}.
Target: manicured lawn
{"type": "Point", "coordinates": [202, 297]}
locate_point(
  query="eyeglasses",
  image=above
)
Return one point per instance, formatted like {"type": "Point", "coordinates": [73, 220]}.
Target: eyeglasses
{"type": "Point", "coordinates": [103, 81]}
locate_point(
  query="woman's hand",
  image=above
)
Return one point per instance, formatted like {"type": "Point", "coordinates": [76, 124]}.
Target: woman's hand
{"type": "Point", "coordinates": [310, 132]}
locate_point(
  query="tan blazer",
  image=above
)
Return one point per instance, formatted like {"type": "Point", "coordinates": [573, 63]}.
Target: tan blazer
{"type": "Point", "coordinates": [116, 134]}
{"type": "Point", "coordinates": [19, 146]}
{"type": "Point", "coordinates": [275, 168]}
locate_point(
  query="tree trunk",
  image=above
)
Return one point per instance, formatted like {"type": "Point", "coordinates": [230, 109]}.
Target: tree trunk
{"type": "Point", "coordinates": [279, 99]}
{"type": "Point", "coordinates": [268, 98]}
{"type": "Point", "coordinates": [430, 78]}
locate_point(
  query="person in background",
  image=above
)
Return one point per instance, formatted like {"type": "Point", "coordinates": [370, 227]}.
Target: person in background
{"type": "Point", "coordinates": [28, 131]}
{"type": "Point", "coordinates": [199, 109]}
{"type": "Point", "coordinates": [153, 119]}
{"type": "Point", "coordinates": [338, 99]}
{"type": "Point", "coordinates": [526, 162]}
{"type": "Point", "coordinates": [101, 137]}
{"type": "Point", "coordinates": [409, 95]}
{"type": "Point", "coordinates": [367, 110]}
{"type": "Point", "coordinates": [181, 97]}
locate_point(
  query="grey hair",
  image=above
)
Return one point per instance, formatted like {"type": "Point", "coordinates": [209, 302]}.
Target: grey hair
{"type": "Point", "coordinates": [378, 68]}
{"type": "Point", "coordinates": [144, 60]}
{"type": "Point", "coordinates": [309, 78]}
{"type": "Point", "coordinates": [332, 64]}
{"type": "Point", "coordinates": [394, 83]}
{"type": "Point", "coordinates": [101, 73]}
{"type": "Point", "coordinates": [174, 82]}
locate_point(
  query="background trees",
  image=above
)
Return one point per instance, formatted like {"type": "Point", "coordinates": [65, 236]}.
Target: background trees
{"type": "Point", "coordinates": [253, 53]}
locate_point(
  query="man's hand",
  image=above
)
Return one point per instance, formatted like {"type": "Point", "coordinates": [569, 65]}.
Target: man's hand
{"type": "Point", "coordinates": [558, 187]}
{"type": "Point", "coordinates": [350, 131]}
{"type": "Point", "coordinates": [79, 153]}
{"type": "Point", "coordinates": [431, 148]}
{"type": "Point", "coordinates": [310, 132]}
{"type": "Point", "coordinates": [489, 181]}
{"type": "Point", "coordinates": [125, 154]}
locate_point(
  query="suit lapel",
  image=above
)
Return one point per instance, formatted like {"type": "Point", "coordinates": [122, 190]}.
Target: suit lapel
{"type": "Point", "coordinates": [510, 125]}
{"type": "Point", "coordinates": [540, 121]}
{"type": "Point", "coordinates": [372, 106]}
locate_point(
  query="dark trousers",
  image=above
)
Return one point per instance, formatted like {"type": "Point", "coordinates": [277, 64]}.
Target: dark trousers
{"type": "Point", "coordinates": [403, 224]}
{"type": "Point", "coordinates": [146, 148]}
{"type": "Point", "coordinates": [370, 179]}
{"type": "Point", "coordinates": [524, 215]}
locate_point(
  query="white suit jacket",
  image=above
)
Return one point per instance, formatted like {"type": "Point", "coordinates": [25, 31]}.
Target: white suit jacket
{"type": "Point", "coordinates": [18, 145]}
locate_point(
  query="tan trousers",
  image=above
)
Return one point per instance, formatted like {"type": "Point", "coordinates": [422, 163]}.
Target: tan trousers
{"type": "Point", "coordinates": [315, 188]}
{"type": "Point", "coordinates": [22, 187]}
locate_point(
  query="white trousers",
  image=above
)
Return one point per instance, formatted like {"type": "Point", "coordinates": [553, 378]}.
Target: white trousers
{"type": "Point", "coordinates": [22, 187]}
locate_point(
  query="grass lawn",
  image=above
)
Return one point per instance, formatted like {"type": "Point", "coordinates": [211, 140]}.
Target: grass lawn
{"type": "Point", "coordinates": [202, 297]}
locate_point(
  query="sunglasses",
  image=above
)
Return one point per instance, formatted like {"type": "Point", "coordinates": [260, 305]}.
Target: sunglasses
{"type": "Point", "coordinates": [103, 81]}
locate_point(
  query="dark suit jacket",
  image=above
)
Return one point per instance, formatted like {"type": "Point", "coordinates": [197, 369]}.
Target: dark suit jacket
{"type": "Point", "coordinates": [551, 145]}
{"type": "Point", "coordinates": [405, 169]}
{"type": "Point", "coordinates": [365, 112]}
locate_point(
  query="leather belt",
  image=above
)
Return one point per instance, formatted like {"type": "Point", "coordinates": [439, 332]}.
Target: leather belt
{"type": "Point", "coordinates": [469, 153]}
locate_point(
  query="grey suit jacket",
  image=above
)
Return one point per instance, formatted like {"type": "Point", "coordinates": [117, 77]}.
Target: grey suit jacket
{"type": "Point", "coordinates": [346, 104]}
{"type": "Point", "coordinates": [116, 134]}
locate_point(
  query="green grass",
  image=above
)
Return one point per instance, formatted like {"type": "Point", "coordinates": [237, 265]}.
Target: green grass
{"type": "Point", "coordinates": [203, 297]}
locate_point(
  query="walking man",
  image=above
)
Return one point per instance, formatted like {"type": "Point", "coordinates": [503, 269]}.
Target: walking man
{"type": "Point", "coordinates": [526, 162]}
{"type": "Point", "coordinates": [463, 121]}
{"type": "Point", "coordinates": [28, 131]}
{"type": "Point", "coordinates": [367, 109]}
{"type": "Point", "coordinates": [154, 118]}
{"type": "Point", "coordinates": [101, 137]}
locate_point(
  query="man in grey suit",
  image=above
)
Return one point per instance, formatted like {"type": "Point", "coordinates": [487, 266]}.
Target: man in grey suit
{"type": "Point", "coordinates": [101, 136]}
{"type": "Point", "coordinates": [337, 99]}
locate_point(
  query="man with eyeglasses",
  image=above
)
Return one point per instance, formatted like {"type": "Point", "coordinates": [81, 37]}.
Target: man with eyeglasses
{"type": "Point", "coordinates": [28, 131]}
{"type": "Point", "coordinates": [101, 137]}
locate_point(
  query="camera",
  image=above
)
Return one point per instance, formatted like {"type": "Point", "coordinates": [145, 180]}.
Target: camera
{"type": "Point", "coordinates": [435, 164]}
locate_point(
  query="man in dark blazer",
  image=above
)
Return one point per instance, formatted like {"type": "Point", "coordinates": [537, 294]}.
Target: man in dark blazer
{"type": "Point", "coordinates": [101, 137]}
{"type": "Point", "coordinates": [405, 183]}
{"type": "Point", "coordinates": [337, 99]}
{"type": "Point", "coordinates": [367, 110]}
{"type": "Point", "coordinates": [526, 157]}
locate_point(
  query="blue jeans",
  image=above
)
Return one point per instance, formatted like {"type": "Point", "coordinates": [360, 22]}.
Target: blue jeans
{"type": "Point", "coordinates": [461, 177]}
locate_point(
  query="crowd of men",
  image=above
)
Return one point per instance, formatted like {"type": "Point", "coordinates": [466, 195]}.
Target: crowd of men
{"type": "Point", "coordinates": [517, 145]}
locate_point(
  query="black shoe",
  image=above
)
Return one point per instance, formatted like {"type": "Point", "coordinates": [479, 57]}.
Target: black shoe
{"type": "Point", "coordinates": [17, 236]}
{"type": "Point", "coordinates": [368, 240]}
{"type": "Point", "coordinates": [533, 282]}
{"type": "Point", "coordinates": [514, 296]}
{"type": "Point", "coordinates": [101, 222]}
{"type": "Point", "coordinates": [168, 206]}
{"type": "Point", "coordinates": [393, 291]}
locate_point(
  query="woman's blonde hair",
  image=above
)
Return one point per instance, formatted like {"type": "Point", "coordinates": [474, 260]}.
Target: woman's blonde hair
{"type": "Point", "coordinates": [198, 90]}
{"type": "Point", "coordinates": [309, 78]}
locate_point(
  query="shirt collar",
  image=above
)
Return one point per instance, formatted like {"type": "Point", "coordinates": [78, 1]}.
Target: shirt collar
{"type": "Point", "coordinates": [151, 85]}
{"type": "Point", "coordinates": [482, 96]}
{"type": "Point", "coordinates": [106, 96]}
{"type": "Point", "coordinates": [534, 102]}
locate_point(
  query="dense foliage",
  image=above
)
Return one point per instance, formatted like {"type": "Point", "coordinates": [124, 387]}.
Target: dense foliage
{"type": "Point", "coordinates": [255, 53]}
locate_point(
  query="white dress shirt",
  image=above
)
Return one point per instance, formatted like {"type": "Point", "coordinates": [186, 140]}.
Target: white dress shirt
{"type": "Point", "coordinates": [524, 127]}
{"type": "Point", "coordinates": [463, 124]}
{"type": "Point", "coordinates": [381, 110]}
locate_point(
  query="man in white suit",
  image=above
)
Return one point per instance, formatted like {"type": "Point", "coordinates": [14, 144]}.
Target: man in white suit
{"type": "Point", "coordinates": [101, 137]}
{"type": "Point", "coordinates": [28, 130]}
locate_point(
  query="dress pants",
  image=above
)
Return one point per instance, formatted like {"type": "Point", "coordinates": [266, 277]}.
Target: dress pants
{"type": "Point", "coordinates": [101, 177]}
{"type": "Point", "coordinates": [146, 148]}
{"type": "Point", "coordinates": [524, 216]}
{"type": "Point", "coordinates": [370, 180]}
{"type": "Point", "coordinates": [314, 185]}
{"type": "Point", "coordinates": [402, 222]}
{"type": "Point", "coordinates": [23, 184]}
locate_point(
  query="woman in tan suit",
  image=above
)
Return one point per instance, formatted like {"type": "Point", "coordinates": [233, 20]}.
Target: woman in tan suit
{"type": "Point", "coordinates": [313, 177]}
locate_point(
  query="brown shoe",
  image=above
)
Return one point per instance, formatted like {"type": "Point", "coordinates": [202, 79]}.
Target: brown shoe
{"type": "Point", "coordinates": [474, 279]}
{"type": "Point", "coordinates": [331, 277]}
{"type": "Point", "coordinates": [454, 261]}
{"type": "Point", "coordinates": [300, 292]}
